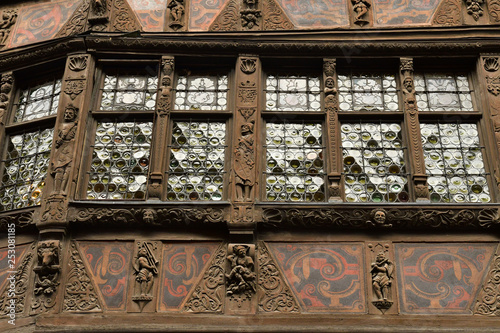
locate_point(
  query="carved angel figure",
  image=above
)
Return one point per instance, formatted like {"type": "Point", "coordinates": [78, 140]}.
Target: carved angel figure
{"type": "Point", "coordinates": [382, 275]}
{"type": "Point", "coordinates": [241, 278]}
{"type": "Point", "coordinates": [145, 269]}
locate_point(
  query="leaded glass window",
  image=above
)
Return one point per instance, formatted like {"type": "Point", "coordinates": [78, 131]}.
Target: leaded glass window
{"type": "Point", "coordinates": [292, 93]}
{"type": "Point", "coordinates": [294, 162]}
{"type": "Point", "coordinates": [454, 163]}
{"type": "Point", "coordinates": [374, 165]}
{"type": "Point", "coordinates": [25, 168]}
{"type": "Point", "coordinates": [201, 92]}
{"type": "Point", "coordinates": [439, 92]}
{"type": "Point", "coordinates": [197, 157]}
{"type": "Point", "coordinates": [367, 92]}
{"type": "Point", "coordinates": [120, 160]}
{"type": "Point", "coordinates": [129, 92]}
{"type": "Point", "coordinates": [38, 101]}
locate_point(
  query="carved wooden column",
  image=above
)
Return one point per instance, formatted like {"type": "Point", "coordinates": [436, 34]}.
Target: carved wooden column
{"type": "Point", "coordinates": [331, 104]}
{"type": "Point", "coordinates": [163, 107]}
{"type": "Point", "coordinates": [489, 72]}
{"type": "Point", "coordinates": [67, 146]}
{"type": "Point", "coordinates": [412, 125]}
{"type": "Point", "coordinates": [244, 151]}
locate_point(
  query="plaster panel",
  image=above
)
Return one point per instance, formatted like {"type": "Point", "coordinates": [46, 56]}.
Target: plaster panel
{"type": "Point", "coordinates": [440, 278]}
{"type": "Point", "coordinates": [110, 266]}
{"type": "Point", "coordinates": [182, 265]}
{"type": "Point", "coordinates": [403, 12]}
{"type": "Point", "coordinates": [320, 14]}
{"type": "Point", "coordinates": [4, 261]}
{"type": "Point", "coordinates": [42, 21]}
{"type": "Point", "coordinates": [324, 277]}
{"type": "Point", "coordinates": [203, 12]}
{"type": "Point", "coordinates": [151, 13]}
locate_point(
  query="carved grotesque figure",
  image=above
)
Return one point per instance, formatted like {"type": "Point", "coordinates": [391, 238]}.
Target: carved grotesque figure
{"type": "Point", "coordinates": [47, 269]}
{"type": "Point", "coordinates": [241, 278]}
{"type": "Point", "coordinates": [144, 271]}
{"type": "Point", "coordinates": [244, 163]}
{"type": "Point", "coordinates": [64, 149]}
{"type": "Point", "coordinates": [382, 270]}
{"type": "Point", "coordinates": [379, 218]}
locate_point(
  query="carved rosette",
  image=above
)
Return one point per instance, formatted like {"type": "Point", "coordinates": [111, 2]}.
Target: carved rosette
{"type": "Point", "coordinates": [331, 106]}
{"type": "Point", "coordinates": [6, 82]}
{"type": "Point", "coordinates": [163, 106]}
{"type": "Point", "coordinates": [274, 294]}
{"type": "Point", "coordinates": [413, 127]}
{"type": "Point", "coordinates": [47, 276]}
{"type": "Point", "coordinates": [21, 282]}
{"type": "Point", "coordinates": [489, 296]}
{"type": "Point", "coordinates": [7, 20]}
{"type": "Point", "coordinates": [448, 13]}
{"type": "Point", "coordinates": [382, 276]}
{"type": "Point", "coordinates": [80, 294]}
{"type": "Point", "coordinates": [208, 295]}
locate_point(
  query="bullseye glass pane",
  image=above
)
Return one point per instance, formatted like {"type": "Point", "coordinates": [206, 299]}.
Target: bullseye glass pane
{"type": "Point", "coordinates": [292, 93]}
{"type": "Point", "coordinates": [454, 163]}
{"type": "Point", "coordinates": [294, 162]}
{"type": "Point", "coordinates": [25, 168]}
{"type": "Point", "coordinates": [201, 92]}
{"type": "Point", "coordinates": [39, 101]}
{"type": "Point", "coordinates": [120, 161]}
{"type": "Point", "coordinates": [440, 92]}
{"type": "Point", "coordinates": [197, 157]}
{"type": "Point", "coordinates": [367, 92]}
{"type": "Point", "coordinates": [374, 164]}
{"type": "Point", "coordinates": [129, 92]}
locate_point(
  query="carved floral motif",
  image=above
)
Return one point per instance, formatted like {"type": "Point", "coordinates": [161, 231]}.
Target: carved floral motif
{"type": "Point", "coordinates": [494, 10]}
{"type": "Point", "coordinates": [491, 64]}
{"type": "Point", "coordinates": [208, 295]}
{"type": "Point", "coordinates": [80, 294]}
{"type": "Point", "coordinates": [21, 220]}
{"type": "Point", "coordinates": [227, 19]}
{"type": "Point", "coordinates": [76, 24]}
{"type": "Point", "coordinates": [275, 295]}
{"type": "Point", "coordinates": [78, 63]}
{"type": "Point", "coordinates": [74, 88]}
{"type": "Point", "coordinates": [474, 8]}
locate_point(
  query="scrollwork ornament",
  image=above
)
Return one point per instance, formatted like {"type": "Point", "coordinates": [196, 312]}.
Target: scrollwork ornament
{"type": "Point", "coordinates": [227, 19]}
{"type": "Point", "coordinates": [489, 296]}
{"type": "Point", "coordinates": [7, 80]}
{"type": "Point", "coordinates": [74, 88]}
{"type": "Point", "coordinates": [274, 17]}
{"type": "Point", "coordinates": [494, 10]}
{"type": "Point", "coordinates": [493, 85]}
{"type": "Point", "coordinates": [448, 13]}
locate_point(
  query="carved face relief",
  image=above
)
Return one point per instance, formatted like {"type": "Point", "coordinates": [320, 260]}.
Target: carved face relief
{"type": "Point", "coordinates": [70, 113]}
{"type": "Point", "coordinates": [148, 216]}
{"type": "Point", "coordinates": [329, 83]}
{"type": "Point", "coordinates": [408, 84]}
{"type": "Point", "coordinates": [240, 251]}
{"type": "Point", "coordinates": [379, 217]}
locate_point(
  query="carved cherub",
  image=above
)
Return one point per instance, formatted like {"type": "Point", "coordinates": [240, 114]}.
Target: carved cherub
{"type": "Point", "coordinates": [241, 278]}
{"type": "Point", "coordinates": [382, 276]}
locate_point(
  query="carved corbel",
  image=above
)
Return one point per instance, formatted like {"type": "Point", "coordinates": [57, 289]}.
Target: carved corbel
{"type": "Point", "coordinates": [7, 20]}
{"type": "Point", "coordinates": [47, 276]}
{"type": "Point", "coordinates": [241, 278]}
{"type": "Point", "coordinates": [146, 263]}
{"type": "Point", "coordinates": [381, 277]}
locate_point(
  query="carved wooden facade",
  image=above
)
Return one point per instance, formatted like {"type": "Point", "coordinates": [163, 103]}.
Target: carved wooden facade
{"type": "Point", "coordinates": [250, 164]}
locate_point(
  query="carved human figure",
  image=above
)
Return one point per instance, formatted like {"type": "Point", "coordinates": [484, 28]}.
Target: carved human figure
{"type": "Point", "coordinates": [176, 10]}
{"type": "Point", "coordinates": [330, 86]}
{"type": "Point", "coordinates": [241, 278]}
{"type": "Point", "coordinates": [360, 8]}
{"type": "Point", "coordinates": [149, 216]}
{"type": "Point", "coordinates": [382, 270]}
{"type": "Point", "coordinates": [244, 163]}
{"type": "Point", "coordinates": [144, 271]}
{"type": "Point", "coordinates": [8, 19]}
{"type": "Point", "coordinates": [408, 85]}
{"type": "Point", "coordinates": [64, 150]}
{"type": "Point", "coordinates": [379, 218]}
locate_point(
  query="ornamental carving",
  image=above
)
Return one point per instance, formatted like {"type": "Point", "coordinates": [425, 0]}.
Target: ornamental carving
{"type": "Point", "coordinates": [80, 294]}
{"type": "Point", "coordinates": [493, 85]}
{"type": "Point", "coordinates": [247, 92]}
{"type": "Point", "coordinates": [491, 64]}
{"type": "Point", "coordinates": [448, 13]}
{"type": "Point", "coordinates": [274, 18]}
{"type": "Point", "coordinates": [227, 19]}
{"type": "Point", "coordinates": [244, 163]}
{"type": "Point", "coordinates": [7, 20]}
{"type": "Point", "coordinates": [21, 220]}
{"type": "Point", "coordinates": [74, 88]}
{"type": "Point", "coordinates": [78, 63]}
{"type": "Point", "coordinates": [145, 271]}
{"type": "Point", "coordinates": [379, 219]}
{"type": "Point", "coordinates": [54, 210]}
{"type": "Point", "coordinates": [123, 18]}
{"type": "Point", "coordinates": [47, 276]}
{"type": "Point", "coordinates": [208, 296]}
{"type": "Point", "coordinates": [176, 14]}
{"type": "Point", "coordinates": [250, 18]}
{"type": "Point", "coordinates": [360, 11]}
{"type": "Point", "coordinates": [240, 277]}
{"type": "Point", "coordinates": [248, 65]}
{"type": "Point", "coordinates": [20, 283]}
{"type": "Point", "coordinates": [409, 218]}
{"type": "Point", "coordinates": [406, 65]}
{"type": "Point", "coordinates": [133, 216]}
{"type": "Point", "coordinates": [275, 295]}
{"type": "Point", "coordinates": [65, 145]}
{"type": "Point", "coordinates": [76, 23]}
{"type": "Point", "coordinates": [382, 276]}
{"type": "Point", "coordinates": [494, 10]}
{"type": "Point", "coordinates": [489, 296]}
{"type": "Point", "coordinates": [474, 8]}
{"type": "Point", "coordinates": [6, 82]}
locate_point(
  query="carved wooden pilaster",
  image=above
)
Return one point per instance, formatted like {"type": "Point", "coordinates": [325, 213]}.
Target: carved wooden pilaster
{"type": "Point", "coordinates": [7, 20]}
{"type": "Point", "coordinates": [47, 277]}
{"type": "Point", "coordinates": [144, 279]}
{"type": "Point", "coordinates": [331, 107]}
{"type": "Point", "coordinates": [361, 13]}
{"type": "Point", "coordinates": [176, 15]}
{"type": "Point", "coordinates": [382, 295]}
{"type": "Point", "coordinates": [163, 107]}
{"type": "Point", "coordinates": [489, 72]}
{"type": "Point", "coordinates": [68, 134]}
{"type": "Point", "coordinates": [412, 124]}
